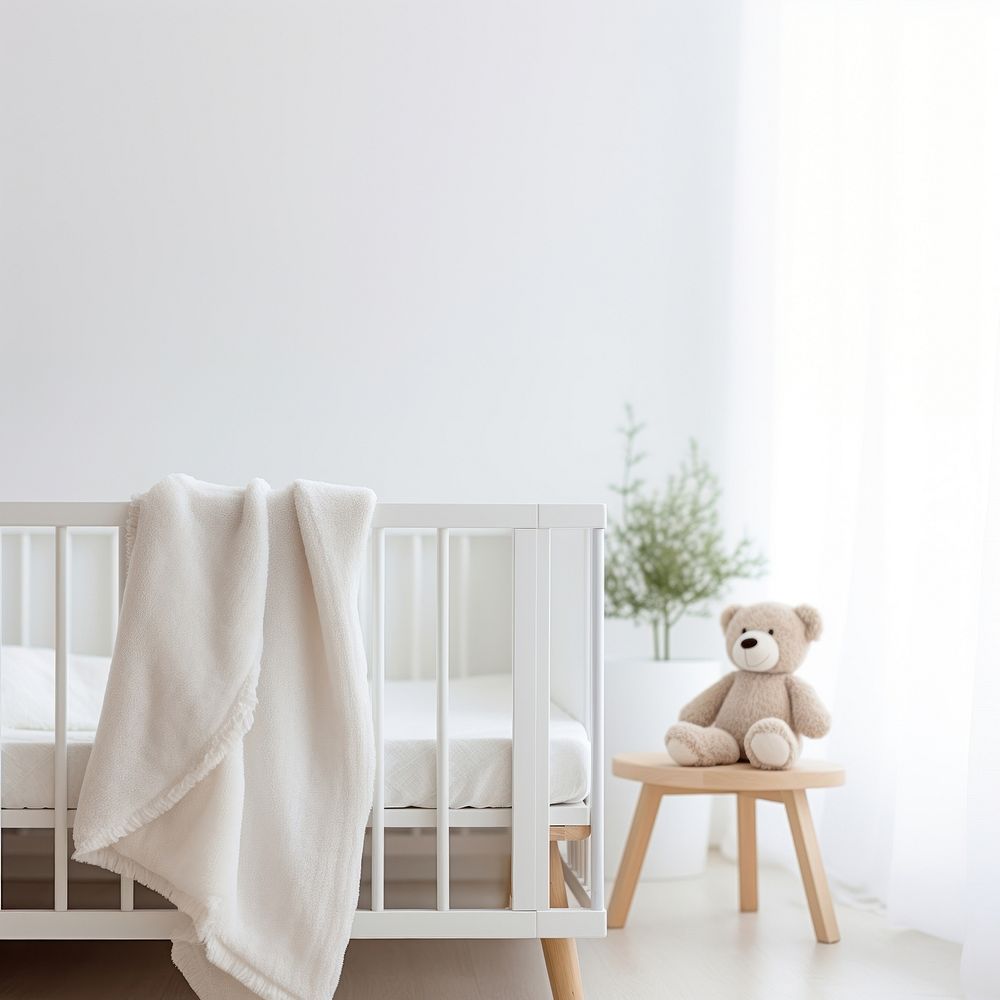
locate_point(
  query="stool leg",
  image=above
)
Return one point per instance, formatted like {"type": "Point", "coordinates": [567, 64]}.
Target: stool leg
{"type": "Point", "coordinates": [746, 816]}
{"type": "Point", "coordinates": [634, 855]}
{"type": "Point", "coordinates": [811, 865]}
{"type": "Point", "coordinates": [561, 959]}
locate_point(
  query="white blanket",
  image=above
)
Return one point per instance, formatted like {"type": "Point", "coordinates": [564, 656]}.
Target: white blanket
{"type": "Point", "coordinates": [232, 769]}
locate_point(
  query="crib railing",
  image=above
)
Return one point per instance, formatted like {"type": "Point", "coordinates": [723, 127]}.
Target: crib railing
{"type": "Point", "coordinates": [530, 815]}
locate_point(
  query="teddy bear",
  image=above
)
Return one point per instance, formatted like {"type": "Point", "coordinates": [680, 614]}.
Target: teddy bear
{"type": "Point", "coordinates": [759, 712]}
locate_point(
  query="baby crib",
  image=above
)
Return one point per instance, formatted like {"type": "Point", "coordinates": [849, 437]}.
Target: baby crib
{"type": "Point", "coordinates": [540, 872]}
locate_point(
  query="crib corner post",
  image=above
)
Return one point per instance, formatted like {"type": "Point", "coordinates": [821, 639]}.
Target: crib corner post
{"type": "Point", "coordinates": [529, 758]}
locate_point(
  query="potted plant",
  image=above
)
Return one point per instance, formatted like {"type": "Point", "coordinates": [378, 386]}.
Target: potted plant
{"type": "Point", "coordinates": [666, 557]}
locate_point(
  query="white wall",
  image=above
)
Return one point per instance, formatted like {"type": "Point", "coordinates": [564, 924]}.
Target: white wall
{"type": "Point", "coordinates": [427, 247]}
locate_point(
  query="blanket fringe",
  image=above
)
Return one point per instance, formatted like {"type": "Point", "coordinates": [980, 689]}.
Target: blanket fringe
{"type": "Point", "coordinates": [99, 849]}
{"type": "Point", "coordinates": [223, 958]}
{"type": "Point", "coordinates": [226, 738]}
{"type": "Point", "coordinates": [204, 926]}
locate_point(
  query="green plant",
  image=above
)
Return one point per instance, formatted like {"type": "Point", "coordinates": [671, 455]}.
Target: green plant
{"type": "Point", "coordinates": [667, 556]}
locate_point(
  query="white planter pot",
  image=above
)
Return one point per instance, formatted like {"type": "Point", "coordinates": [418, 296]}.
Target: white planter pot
{"type": "Point", "coordinates": [641, 700]}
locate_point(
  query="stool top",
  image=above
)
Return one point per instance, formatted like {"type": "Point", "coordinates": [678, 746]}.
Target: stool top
{"type": "Point", "coordinates": [659, 769]}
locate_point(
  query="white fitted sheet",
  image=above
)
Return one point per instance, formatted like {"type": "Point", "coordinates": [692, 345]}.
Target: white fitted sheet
{"type": "Point", "coordinates": [480, 750]}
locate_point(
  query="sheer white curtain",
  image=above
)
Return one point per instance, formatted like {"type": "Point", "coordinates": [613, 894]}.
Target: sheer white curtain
{"type": "Point", "coordinates": [878, 161]}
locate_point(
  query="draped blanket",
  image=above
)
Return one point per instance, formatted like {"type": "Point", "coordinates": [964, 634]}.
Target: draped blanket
{"type": "Point", "coordinates": [233, 765]}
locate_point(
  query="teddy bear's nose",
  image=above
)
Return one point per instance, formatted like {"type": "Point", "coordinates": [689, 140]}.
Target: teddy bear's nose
{"type": "Point", "coordinates": [748, 643]}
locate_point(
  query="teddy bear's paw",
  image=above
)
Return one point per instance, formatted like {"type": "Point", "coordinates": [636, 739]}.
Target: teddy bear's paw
{"type": "Point", "coordinates": [682, 753]}
{"type": "Point", "coordinates": [684, 744]}
{"type": "Point", "coordinates": [771, 750]}
{"type": "Point", "coordinates": [771, 745]}
{"type": "Point", "coordinates": [696, 746]}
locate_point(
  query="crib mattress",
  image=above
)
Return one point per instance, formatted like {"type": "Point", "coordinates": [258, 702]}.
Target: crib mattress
{"type": "Point", "coordinates": [479, 751]}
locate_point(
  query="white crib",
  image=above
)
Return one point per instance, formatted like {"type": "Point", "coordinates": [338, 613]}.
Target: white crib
{"type": "Point", "coordinates": [537, 905]}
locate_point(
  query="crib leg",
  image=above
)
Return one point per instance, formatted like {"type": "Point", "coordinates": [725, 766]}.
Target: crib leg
{"type": "Point", "coordinates": [561, 959]}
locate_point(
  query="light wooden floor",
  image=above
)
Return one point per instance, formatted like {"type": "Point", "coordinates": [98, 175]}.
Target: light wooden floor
{"type": "Point", "coordinates": [685, 941]}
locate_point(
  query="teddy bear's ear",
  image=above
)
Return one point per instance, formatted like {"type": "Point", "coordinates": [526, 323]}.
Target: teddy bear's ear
{"type": "Point", "coordinates": [727, 615]}
{"type": "Point", "coordinates": [812, 621]}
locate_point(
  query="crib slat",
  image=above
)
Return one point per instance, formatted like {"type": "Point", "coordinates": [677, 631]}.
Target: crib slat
{"type": "Point", "coordinates": [597, 719]}
{"type": "Point", "coordinates": [378, 717]}
{"type": "Point", "coordinates": [126, 886]}
{"type": "Point", "coordinates": [443, 787]}
{"type": "Point", "coordinates": [127, 895]}
{"type": "Point", "coordinates": [1, 695]}
{"type": "Point", "coordinates": [60, 842]}
{"type": "Point", "coordinates": [463, 602]}
{"type": "Point", "coordinates": [588, 708]}
{"type": "Point", "coordinates": [26, 588]}
{"type": "Point", "coordinates": [522, 820]}
{"type": "Point", "coordinates": [117, 583]}
{"type": "Point", "coordinates": [543, 653]}
{"type": "Point", "coordinates": [416, 600]}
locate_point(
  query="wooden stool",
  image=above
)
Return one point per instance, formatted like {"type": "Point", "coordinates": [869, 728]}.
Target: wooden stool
{"type": "Point", "coordinates": [661, 776]}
